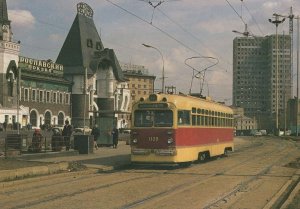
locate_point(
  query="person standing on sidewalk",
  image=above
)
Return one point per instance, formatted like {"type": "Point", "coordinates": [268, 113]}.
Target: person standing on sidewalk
{"type": "Point", "coordinates": [5, 125]}
{"type": "Point", "coordinates": [115, 136]}
{"type": "Point", "coordinates": [37, 138]}
{"type": "Point", "coordinates": [96, 133]}
{"type": "Point", "coordinates": [66, 133]}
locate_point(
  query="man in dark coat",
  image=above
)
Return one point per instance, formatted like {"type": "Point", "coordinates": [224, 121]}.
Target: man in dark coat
{"type": "Point", "coordinates": [96, 133]}
{"type": "Point", "coordinates": [66, 133]}
{"type": "Point", "coordinates": [115, 136]}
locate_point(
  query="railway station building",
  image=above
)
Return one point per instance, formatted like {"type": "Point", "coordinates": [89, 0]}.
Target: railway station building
{"type": "Point", "coordinates": [33, 92]}
{"type": "Point", "coordinates": [86, 84]}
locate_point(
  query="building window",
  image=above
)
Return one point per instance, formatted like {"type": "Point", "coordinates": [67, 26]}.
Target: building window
{"type": "Point", "coordinates": [26, 94]}
{"type": "Point", "coordinates": [98, 45]}
{"type": "Point", "coordinates": [54, 97]}
{"type": "Point", "coordinates": [33, 95]}
{"type": "Point", "coordinates": [90, 43]}
{"type": "Point", "coordinates": [41, 96]}
{"type": "Point", "coordinates": [48, 98]}
{"type": "Point", "coordinates": [60, 98]}
{"type": "Point", "coordinates": [67, 99]}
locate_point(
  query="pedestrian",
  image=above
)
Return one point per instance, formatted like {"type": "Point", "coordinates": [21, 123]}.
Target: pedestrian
{"type": "Point", "coordinates": [36, 144]}
{"type": "Point", "coordinates": [115, 136]}
{"type": "Point", "coordinates": [66, 133]}
{"type": "Point", "coordinates": [56, 140]}
{"type": "Point", "coordinates": [5, 125]}
{"type": "Point", "coordinates": [96, 133]}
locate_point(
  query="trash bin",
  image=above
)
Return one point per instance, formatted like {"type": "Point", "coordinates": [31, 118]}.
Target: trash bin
{"type": "Point", "coordinates": [84, 143]}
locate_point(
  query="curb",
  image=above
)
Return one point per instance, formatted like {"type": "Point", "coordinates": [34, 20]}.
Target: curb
{"type": "Point", "coordinates": [280, 198]}
{"type": "Point", "coordinates": [10, 175]}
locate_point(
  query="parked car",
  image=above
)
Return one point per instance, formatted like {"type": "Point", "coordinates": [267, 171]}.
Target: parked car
{"type": "Point", "coordinates": [258, 133]}
{"type": "Point", "coordinates": [58, 127]}
{"type": "Point", "coordinates": [86, 129]}
{"type": "Point", "coordinates": [263, 132]}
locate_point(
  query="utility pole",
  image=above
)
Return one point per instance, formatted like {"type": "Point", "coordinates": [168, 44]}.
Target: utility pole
{"type": "Point", "coordinates": [297, 111]}
{"type": "Point", "coordinates": [291, 17]}
{"type": "Point", "coordinates": [276, 22]}
{"type": "Point", "coordinates": [84, 91]}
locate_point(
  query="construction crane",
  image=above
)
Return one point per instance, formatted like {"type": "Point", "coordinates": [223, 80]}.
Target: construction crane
{"type": "Point", "coordinates": [245, 33]}
{"type": "Point", "coordinates": [291, 17]}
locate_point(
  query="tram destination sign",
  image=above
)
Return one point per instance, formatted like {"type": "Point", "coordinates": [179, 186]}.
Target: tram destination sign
{"type": "Point", "coordinates": [40, 65]}
{"type": "Point", "coordinates": [153, 105]}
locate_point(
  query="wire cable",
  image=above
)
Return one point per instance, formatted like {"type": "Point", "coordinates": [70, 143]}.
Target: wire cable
{"type": "Point", "coordinates": [159, 29]}
{"type": "Point", "coordinates": [235, 11]}
{"type": "Point", "coordinates": [192, 35]}
{"type": "Point", "coordinates": [253, 19]}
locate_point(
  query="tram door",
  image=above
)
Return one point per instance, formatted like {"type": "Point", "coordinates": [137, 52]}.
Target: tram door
{"type": "Point", "coordinates": [106, 125]}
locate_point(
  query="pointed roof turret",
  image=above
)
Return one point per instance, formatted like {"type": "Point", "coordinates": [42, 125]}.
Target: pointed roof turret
{"type": "Point", "coordinates": [81, 43]}
{"type": "Point", "coordinates": [3, 13]}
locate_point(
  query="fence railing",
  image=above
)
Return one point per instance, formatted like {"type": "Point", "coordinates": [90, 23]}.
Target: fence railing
{"type": "Point", "coordinates": [12, 144]}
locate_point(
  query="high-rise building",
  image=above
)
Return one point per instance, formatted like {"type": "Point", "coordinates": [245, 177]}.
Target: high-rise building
{"type": "Point", "coordinates": [255, 77]}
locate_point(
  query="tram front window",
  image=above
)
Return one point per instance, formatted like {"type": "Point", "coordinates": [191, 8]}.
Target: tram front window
{"type": "Point", "coordinates": [157, 118]}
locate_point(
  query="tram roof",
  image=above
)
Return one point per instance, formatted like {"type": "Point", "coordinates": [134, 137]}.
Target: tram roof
{"type": "Point", "coordinates": [187, 101]}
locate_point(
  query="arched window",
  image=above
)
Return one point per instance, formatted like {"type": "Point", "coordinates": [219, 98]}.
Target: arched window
{"type": "Point", "coordinates": [48, 118]}
{"type": "Point", "coordinates": [33, 118]}
{"type": "Point", "coordinates": [61, 119]}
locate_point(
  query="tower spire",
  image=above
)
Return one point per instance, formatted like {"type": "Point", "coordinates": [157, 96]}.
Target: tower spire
{"type": "Point", "coordinates": [3, 13]}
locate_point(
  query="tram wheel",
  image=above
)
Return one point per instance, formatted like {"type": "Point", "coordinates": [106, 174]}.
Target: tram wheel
{"type": "Point", "coordinates": [226, 152]}
{"type": "Point", "coordinates": [202, 156]}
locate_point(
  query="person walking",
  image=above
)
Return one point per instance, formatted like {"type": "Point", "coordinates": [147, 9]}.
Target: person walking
{"type": "Point", "coordinates": [66, 133]}
{"type": "Point", "coordinates": [115, 136]}
{"type": "Point", "coordinates": [5, 125]}
{"type": "Point", "coordinates": [96, 133]}
{"type": "Point", "coordinates": [37, 141]}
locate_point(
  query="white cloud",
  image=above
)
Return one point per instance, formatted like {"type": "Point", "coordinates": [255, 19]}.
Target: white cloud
{"type": "Point", "coordinates": [21, 18]}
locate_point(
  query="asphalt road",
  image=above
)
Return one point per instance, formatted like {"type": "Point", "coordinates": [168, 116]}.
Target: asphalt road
{"type": "Point", "coordinates": [257, 175]}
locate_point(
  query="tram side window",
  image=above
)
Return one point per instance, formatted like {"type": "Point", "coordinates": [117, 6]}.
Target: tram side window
{"type": "Point", "coordinates": [194, 120]}
{"type": "Point", "coordinates": [183, 117]}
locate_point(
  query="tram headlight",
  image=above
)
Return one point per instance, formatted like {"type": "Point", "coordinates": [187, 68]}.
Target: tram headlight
{"type": "Point", "coordinates": [134, 141]}
{"type": "Point", "coordinates": [170, 140]}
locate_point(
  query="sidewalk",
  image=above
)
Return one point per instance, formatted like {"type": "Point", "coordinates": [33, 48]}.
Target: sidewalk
{"type": "Point", "coordinates": [103, 159]}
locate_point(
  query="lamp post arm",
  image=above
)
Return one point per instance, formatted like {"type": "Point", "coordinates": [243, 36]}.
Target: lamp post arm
{"type": "Point", "coordinates": [163, 65]}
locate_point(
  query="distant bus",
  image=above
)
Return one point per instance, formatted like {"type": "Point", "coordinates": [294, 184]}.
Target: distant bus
{"type": "Point", "coordinates": [169, 128]}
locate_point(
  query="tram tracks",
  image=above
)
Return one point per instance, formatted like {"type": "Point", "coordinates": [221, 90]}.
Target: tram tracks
{"type": "Point", "coordinates": [94, 183]}
{"type": "Point", "coordinates": [185, 186]}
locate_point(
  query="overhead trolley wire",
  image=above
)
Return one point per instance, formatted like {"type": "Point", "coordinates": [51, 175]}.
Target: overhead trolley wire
{"type": "Point", "coordinates": [236, 12]}
{"type": "Point", "coordinates": [167, 34]}
{"type": "Point", "coordinates": [159, 29]}
{"type": "Point", "coordinates": [253, 19]}
{"type": "Point", "coordinates": [191, 34]}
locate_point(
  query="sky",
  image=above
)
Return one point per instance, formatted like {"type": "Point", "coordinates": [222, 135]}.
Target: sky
{"type": "Point", "coordinates": [187, 34]}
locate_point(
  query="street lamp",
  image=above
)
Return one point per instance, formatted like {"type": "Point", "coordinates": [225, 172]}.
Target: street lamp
{"type": "Point", "coordinates": [276, 22]}
{"type": "Point", "coordinates": [163, 66]}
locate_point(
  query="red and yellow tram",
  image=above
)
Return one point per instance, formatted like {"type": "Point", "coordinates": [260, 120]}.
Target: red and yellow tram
{"type": "Point", "coordinates": [169, 128]}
